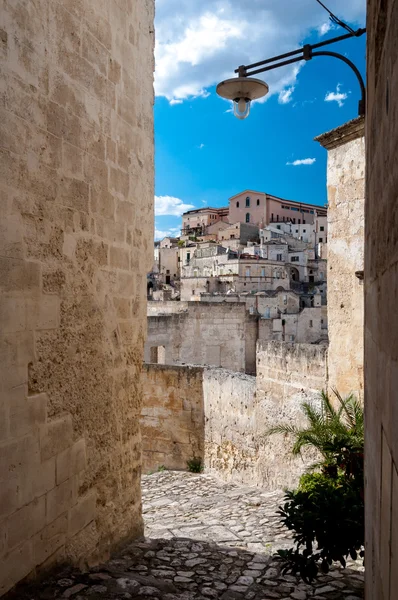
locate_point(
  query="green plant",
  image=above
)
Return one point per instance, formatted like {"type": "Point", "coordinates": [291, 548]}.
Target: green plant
{"type": "Point", "coordinates": [195, 465]}
{"type": "Point", "coordinates": [161, 468]}
{"type": "Point", "coordinates": [336, 432]}
{"type": "Point", "coordinates": [180, 243]}
{"type": "Point", "coordinates": [326, 512]}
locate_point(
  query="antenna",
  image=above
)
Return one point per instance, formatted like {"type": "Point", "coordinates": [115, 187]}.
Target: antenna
{"type": "Point", "coordinates": [335, 19]}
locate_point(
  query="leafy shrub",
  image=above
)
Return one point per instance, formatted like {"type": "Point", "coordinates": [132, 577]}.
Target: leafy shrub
{"type": "Point", "coordinates": [195, 465]}
{"type": "Point", "coordinates": [326, 512]}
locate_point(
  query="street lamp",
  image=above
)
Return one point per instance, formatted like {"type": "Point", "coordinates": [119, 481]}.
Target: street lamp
{"type": "Point", "coordinates": [243, 89]}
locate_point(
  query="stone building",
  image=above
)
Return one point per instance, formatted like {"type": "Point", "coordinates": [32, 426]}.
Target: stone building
{"type": "Point", "coordinates": [346, 195]}
{"type": "Point", "coordinates": [195, 222]}
{"type": "Point", "coordinates": [262, 209]}
{"type": "Point", "coordinates": [76, 231]}
{"type": "Point", "coordinates": [381, 290]}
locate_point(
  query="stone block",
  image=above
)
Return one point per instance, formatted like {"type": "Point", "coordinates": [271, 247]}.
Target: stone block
{"type": "Point", "coordinates": [19, 275]}
{"type": "Point", "coordinates": [95, 53]}
{"type": "Point", "coordinates": [56, 436]}
{"type": "Point", "coordinates": [71, 461]}
{"type": "Point", "coordinates": [25, 522]}
{"type": "Point", "coordinates": [82, 513]}
{"type": "Point", "coordinates": [9, 497]}
{"type": "Point", "coordinates": [119, 181]}
{"type": "Point", "coordinates": [19, 456]}
{"type": "Point", "coordinates": [60, 499]}
{"type": "Point", "coordinates": [119, 258]}
{"type": "Point", "coordinates": [72, 161]}
{"type": "Point", "coordinates": [73, 193]}
{"type": "Point", "coordinates": [50, 539]}
{"type": "Point", "coordinates": [27, 415]}
{"type": "Point", "coordinates": [16, 565]}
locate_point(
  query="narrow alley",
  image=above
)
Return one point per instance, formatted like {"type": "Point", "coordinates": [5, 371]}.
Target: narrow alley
{"type": "Point", "coordinates": [204, 539]}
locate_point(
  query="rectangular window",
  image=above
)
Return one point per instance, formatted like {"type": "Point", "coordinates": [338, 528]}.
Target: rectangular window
{"type": "Point", "coordinates": [322, 228]}
{"type": "Point", "coordinates": [262, 271]}
{"type": "Point", "coordinates": [284, 299]}
{"type": "Point", "coordinates": [294, 259]}
{"type": "Point", "coordinates": [279, 257]}
{"type": "Point", "coordinates": [320, 240]}
{"type": "Point", "coordinates": [188, 256]}
{"type": "Point", "coordinates": [294, 208]}
{"type": "Point", "coordinates": [168, 272]}
{"type": "Point", "coordinates": [291, 338]}
{"type": "Point", "coordinates": [248, 272]}
{"type": "Point", "coordinates": [278, 227]}
{"type": "Point", "coordinates": [247, 201]}
{"type": "Point", "coordinates": [297, 230]}
{"type": "Point", "coordinates": [304, 231]}
{"type": "Point", "coordinates": [310, 323]}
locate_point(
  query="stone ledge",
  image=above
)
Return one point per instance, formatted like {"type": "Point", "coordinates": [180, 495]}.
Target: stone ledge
{"type": "Point", "coordinates": [341, 135]}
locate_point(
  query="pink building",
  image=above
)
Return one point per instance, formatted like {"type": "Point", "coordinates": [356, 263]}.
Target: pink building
{"type": "Point", "coordinates": [262, 209]}
{"type": "Point", "coordinates": [197, 220]}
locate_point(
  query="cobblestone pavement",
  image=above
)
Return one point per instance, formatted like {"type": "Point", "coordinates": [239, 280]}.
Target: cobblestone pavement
{"type": "Point", "coordinates": [204, 539]}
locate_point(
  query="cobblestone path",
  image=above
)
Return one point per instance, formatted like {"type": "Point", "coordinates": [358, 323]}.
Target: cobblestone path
{"type": "Point", "coordinates": [204, 539]}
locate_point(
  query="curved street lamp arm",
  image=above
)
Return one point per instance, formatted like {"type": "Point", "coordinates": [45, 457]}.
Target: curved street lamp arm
{"type": "Point", "coordinates": [362, 102]}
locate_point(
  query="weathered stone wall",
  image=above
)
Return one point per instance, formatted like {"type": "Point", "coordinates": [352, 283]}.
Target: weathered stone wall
{"type": "Point", "coordinates": [226, 413]}
{"type": "Point", "coordinates": [202, 335]}
{"type": "Point", "coordinates": [172, 416]}
{"type": "Point", "coordinates": [76, 176]}
{"type": "Point", "coordinates": [231, 444]}
{"type": "Point", "coordinates": [287, 375]}
{"type": "Point", "coordinates": [346, 193]}
{"type": "Point", "coordinates": [381, 292]}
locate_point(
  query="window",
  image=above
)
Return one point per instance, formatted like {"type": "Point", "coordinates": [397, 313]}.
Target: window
{"type": "Point", "coordinates": [279, 257]}
{"type": "Point", "coordinates": [248, 272]}
{"type": "Point", "coordinates": [247, 201]}
{"type": "Point", "coordinates": [320, 240]}
{"type": "Point", "coordinates": [294, 221]}
{"type": "Point", "coordinates": [303, 221]}
{"type": "Point", "coordinates": [311, 212]}
{"type": "Point", "coordinates": [237, 205]}
{"type": "Point", "coordinates": [247, 217]}
{"type": "Point", "coordinates": [195, 272]}
{"type": "Point", "coordinates": [294, 259]}
{"type": "Point", "coordinates": [322, 228]}
{"type": "Point", "coordinates": [297, 230]}
{"type": "Point", "coordinates": [278, 227]}
{"type": "Point", "coordinates": [267, 314]}
{"type": "Point", "coordinates": [304, 231]}
{"type": "Point", "coordinates": [310, 323]}
{"type": "Point", "coordinates": [188, 256]}
{"type": "Point", "coordinates": [262, 271]}
{"type": "Point", "coordinates": [232, 236]}
{"type": "Point", "coordinates": [258, 202]}
{"type": "Point", "coordinates": [168, 272]}
{"type": "Point", "coordinates": [299, 221]}
{"type": "Point", "coordinates": [291, 338]}
{"type": "Point", "coordinates": [294, 208]}
{"type": "Point", "coordinates": [283, 218]}
{"type": "Point", "coordinates": [284, 299]}
{"type": "Point", "coordinates": [277, 218]}
{"type": "Point", "coordinates": [272, 217]}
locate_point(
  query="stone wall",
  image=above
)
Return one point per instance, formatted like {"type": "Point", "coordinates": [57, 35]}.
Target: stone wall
{"type": "Point", "coordinates": [201, 335]}
{"type": "Point", "coordinates": [226, 413]}
{"type": "Point", "coordinates": [381, 291]}
{"type": "Point", "coordinates": [287, 375]}
{"type": "Point", "coordinates": [76, 177]}
{"type": "Point", "coordinates": [346, 193]}
{"type": "Point", "coordinates": [172, 416]}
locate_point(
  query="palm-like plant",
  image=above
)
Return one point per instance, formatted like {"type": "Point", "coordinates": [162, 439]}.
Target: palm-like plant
{"type": "Point", "coordinates": [337, 433]}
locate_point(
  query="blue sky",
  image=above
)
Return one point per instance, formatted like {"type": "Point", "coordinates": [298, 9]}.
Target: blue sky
{"type": "Point", "coordinates": [204, 154]}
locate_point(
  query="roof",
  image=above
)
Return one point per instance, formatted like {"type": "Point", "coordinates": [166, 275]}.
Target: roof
{"type": "Point", "coordinates": [205, 209]}
{"type": "Point", "coordinates": [315, 206]}
{"type": "Point", "coordinates": [341, 135]}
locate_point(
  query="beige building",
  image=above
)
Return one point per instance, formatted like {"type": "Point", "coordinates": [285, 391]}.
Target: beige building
{"type": "Point", "coordinates": [76, 236]}
{"type": "Point", "coordinates": [262, 209]}
{"type": "Point", "coordinates": [346, 193]}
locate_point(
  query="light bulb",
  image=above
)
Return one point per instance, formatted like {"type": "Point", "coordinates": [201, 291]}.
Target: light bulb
{"type": "Point", "coordinates": [241, 108]}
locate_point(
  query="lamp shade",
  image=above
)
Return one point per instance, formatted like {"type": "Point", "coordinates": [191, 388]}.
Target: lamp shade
{"type": "Point", "coordinates": [242, 87]}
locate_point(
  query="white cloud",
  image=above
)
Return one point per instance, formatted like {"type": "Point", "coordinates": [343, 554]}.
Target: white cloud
{"type": "Point", "coordinates": [201, 146]}
{"type": "Point", "coordinates": [162, 233]}
{"type": "Point", "coordinates": [175, 101]}
{"type": "Point", "coordinates": [325, 28]}
{"type": "Point", "coordinates": [302, 161]}
{"type": "Point", "coordinates": [337, 96]}
{"type": "Point", "coordinates": [200, 43]}
{"type": "Point", "coordinates": [286, 96]}
{"type": "Point", "coordinates": [169, 205]}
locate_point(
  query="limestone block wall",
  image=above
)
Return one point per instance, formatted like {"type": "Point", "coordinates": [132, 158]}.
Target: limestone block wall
{"type": "Point", "coordinates": [345, 298]}
{"type": "Point", "coordinates": [381, 290]}
{"type": "Point", "coordinates": [76, 181]}
{"type": "Point", "coordinates": [231, 444]}
{"type": "Point", "coordinates": [287, 375]}
{"type": "Point", "coordinates": [172, 416]}
{"type": "Point", "coordinates": [204, 334]}
{"type": "Point", "coordinates": [221, 415]}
